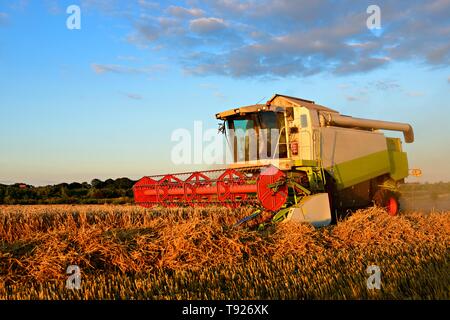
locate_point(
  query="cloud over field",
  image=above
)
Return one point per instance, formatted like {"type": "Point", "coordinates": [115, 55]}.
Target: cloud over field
{"type": "Point", "coordinates": [295, 38]}
{"type": "Point", "coordinates": [289, 38]}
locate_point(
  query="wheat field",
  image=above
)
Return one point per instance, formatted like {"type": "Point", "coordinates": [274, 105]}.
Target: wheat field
{"type": "Point", "coordinates": [127, 252]}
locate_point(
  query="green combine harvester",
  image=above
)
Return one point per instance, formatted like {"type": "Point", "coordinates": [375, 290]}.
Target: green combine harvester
{"type": "Point", "coordinates": [296, 160]}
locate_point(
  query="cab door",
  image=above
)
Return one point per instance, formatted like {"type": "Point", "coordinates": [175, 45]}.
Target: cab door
{"type": "Point", "coordinates": [305, 137]}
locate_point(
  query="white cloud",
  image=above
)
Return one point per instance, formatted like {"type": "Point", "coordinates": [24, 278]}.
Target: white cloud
{"type": "Point", "coordinates": [385, 85]}
{"type": "Point", "coordinates": [352, 98]}
{"type": "Point", "coordinates": [134, 96]}
{"type": "Point", "coordinates": [207, 25]}
{"type": "Point", "coordinates": [415, 93]}
{"type": "Point", "coordinates": [279, 38]}
{"type": "Point", "coordinates": [214, 90]}
{"type": "Point", "coordinates": [114, 68]}
{"type": "Point", "coordinates": [148, 4]}
{"type": "Point", "coordinates": [181, 12]}
{"type": "Point", "coordinates": [344, 86]}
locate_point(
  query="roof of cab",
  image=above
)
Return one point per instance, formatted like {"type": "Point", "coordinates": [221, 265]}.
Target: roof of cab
{"type": "Point", "coordinates": [283, 100]}
{"type": "Point", "coordinates": [277, 101]}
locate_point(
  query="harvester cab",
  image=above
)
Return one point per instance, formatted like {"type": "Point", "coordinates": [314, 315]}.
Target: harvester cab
{"type": "Point", "coordinates": [295, 159]}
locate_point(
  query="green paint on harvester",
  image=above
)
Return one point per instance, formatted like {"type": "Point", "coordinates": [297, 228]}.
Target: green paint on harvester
{"type": "Point", "coordinates": [358, 170]}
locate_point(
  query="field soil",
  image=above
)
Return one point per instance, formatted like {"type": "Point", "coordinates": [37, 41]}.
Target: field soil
{"type": "Point", "coordinates": [422, 202]}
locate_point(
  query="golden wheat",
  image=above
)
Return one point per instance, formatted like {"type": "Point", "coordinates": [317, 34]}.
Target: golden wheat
{"type": "Point", "coordinates": [129, 252]}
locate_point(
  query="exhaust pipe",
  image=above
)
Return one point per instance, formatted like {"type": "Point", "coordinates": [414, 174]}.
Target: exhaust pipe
{"type": "Point", "coordinates": [332, 119]}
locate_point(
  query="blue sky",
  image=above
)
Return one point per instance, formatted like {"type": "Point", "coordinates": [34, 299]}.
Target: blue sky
{"type": "Point", "coordinates": [102, 101]}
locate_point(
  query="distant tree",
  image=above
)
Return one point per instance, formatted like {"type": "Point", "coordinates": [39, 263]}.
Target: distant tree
{"type": "Point", "coordinates": [109, 183]}
{"type": "Point", "coordinates": [95, 193]}
{"type": "Point", "coordinates": [64, 192]}
{"type": "Point", "coordinates": [11, 193]}
{"type": "Point", "coordinates": [124, 183]}
{"type": "Point", "coordinates": [96, 183]}
{"type": "Point", "coordinates": [109, 191]}
{"type": "Point", "coordinates": [75, 185]}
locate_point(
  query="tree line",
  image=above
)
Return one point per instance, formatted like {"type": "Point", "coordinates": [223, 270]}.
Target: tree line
{"type": "Point", "coordinates": [118, 191]}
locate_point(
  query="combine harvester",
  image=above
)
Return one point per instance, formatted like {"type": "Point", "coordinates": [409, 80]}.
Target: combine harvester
{"type": "Point", "coordinates": [323, 163]}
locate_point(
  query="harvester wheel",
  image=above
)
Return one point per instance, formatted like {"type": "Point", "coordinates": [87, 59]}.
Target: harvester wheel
{"type": "Point", "coordinates": [388, 200]}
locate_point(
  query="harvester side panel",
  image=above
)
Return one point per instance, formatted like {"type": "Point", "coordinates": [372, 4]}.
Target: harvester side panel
{"type": "Point", "coordinates": [353, 156]}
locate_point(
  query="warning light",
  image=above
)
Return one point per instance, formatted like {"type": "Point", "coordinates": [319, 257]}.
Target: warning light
{"type": "Point", "coordinates": [415, 172]}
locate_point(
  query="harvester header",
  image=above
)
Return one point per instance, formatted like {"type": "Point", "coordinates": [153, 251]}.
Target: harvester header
{"type": "Point", "coordinates": [225, 187]}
